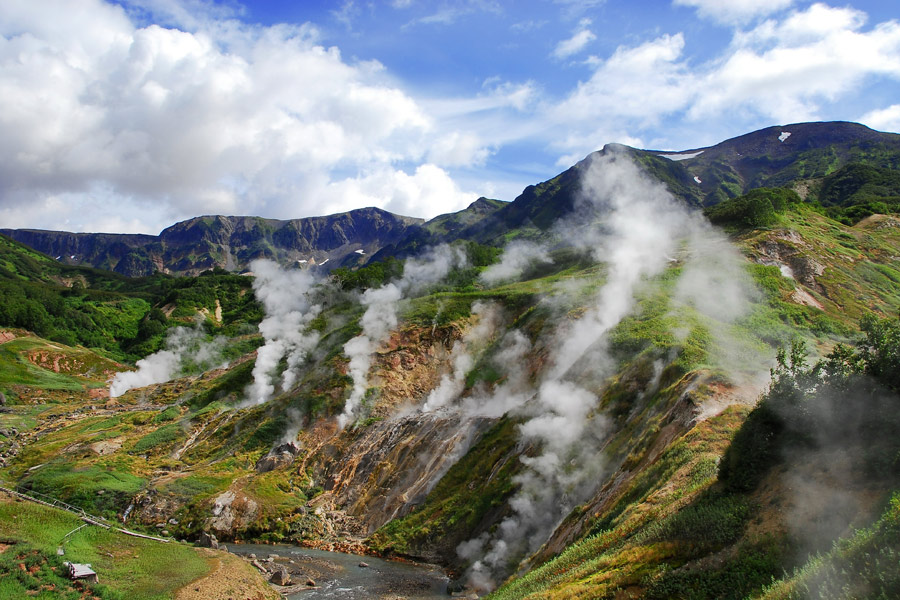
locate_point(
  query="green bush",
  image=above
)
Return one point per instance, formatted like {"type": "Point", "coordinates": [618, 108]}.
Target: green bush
{"type": "Point", "coordinates": [229, 386]}
{"type": "Point", "coordinates": [849, 397]}
{"type": "Point", "coordinates": [757, 208]}
{"type": "Point", "coordinates": [158, 439]}
{"type": "Point", "coordinates": [754, 450]}
{"type": "Point", "coordinates": [709, 523]}
{"type": "Point", "coordinates": [373, 275]}
{"type": "Point", "coordinates": [173, 412]}
{"type": "Point", "coordinates": [266, 434]}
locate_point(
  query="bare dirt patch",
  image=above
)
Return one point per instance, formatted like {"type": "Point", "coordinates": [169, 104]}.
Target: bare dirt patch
{"type": "Point", "coordinates": [106, 447]}
{"type": "Point", "coordinates": [724, 396]}
{"type": "Point", "coordinates": [229, 577]}
{"type": "Point", "coordinates": [878, 222]}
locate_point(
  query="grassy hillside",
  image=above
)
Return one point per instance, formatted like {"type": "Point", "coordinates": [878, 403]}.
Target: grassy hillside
{"type": "Point", "coordinates": [37, 539]}
{"type": "Point", "coordinates": [130, 567]}
{"type": "Point", "coordinates": [666, 510]}
{"type": "Point", "coordinates": [112, 313]}
{"type": "Point", "coordinates": [693, 527]}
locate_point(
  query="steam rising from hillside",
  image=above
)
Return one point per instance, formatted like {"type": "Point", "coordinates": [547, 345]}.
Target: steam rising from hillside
{"type": "Point", "coordinates": [635, 226]}
{"type": "Point", "coordinates": [715, 283]}
{"type": "Point", "coordinates": [514, 390]}
{"type": "Point", "coordinates": [462, 357]}
{"type": "Point", "coordinates": [380, 317]}
{"type": "Point", "coordinates": [285, 295]}
{"type": "Point", "coordinates": [516, 257]}
{"type": "Point", "coordinates": [186, 347]}
{"type": "Point", "coordinates": [640, 229]}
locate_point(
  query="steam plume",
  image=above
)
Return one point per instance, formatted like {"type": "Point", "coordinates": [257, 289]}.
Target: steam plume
{"type": "Point", "coordinates": [635, 226]}
{"type": "Point", "coordinates": [186, 348]}
{"type": "Point", "coordinates": [380, 317]}
{"type": "Point", "coordinates": [516, 257]}
{"type": "Point", "coordinates": [462, 357]}
{"type": "Point", "coordinates": [285, 295]}
{"type": "Point", "coordinates": [640, 229]}
{"type": "Point", "coordinates": [514, 391]}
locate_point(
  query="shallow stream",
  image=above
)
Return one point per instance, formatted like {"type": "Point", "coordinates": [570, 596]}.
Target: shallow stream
{"type": "Point", "coordinates": [340, 576]}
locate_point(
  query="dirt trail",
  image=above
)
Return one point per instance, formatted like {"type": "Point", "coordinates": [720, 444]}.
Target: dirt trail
{"type": "Point", "coordinates": [228, 577]}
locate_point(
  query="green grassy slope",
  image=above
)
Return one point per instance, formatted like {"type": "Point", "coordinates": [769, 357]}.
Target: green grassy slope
{"type": "Point", "coordinates": [106, 311]}
{"type": "Point", "coordinates": [129, 567]}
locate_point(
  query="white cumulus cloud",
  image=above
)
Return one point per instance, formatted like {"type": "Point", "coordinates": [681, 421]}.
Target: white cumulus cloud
{"type": "Point", "coordinates": [575, 44]}
{"type": "Point", "coordinates": [883, 119]}
{"type": "Point", "coordinates": [787, 68]}
{"type": "Point", "coordinates": [226, 118]}
{"type": "Point", "coordinates": [428, 191]}
{"type": "Point", "coordinates": [735, 11]}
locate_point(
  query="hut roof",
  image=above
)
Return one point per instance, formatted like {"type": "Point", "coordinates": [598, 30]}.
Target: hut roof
{"type": "Point", "coordinates": [78, 571]}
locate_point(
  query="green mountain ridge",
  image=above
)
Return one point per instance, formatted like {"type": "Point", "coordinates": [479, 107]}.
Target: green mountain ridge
{"type": "Point", "coordinates": [231, 243]}
{"type": "Point", "coordinates": [726, 170]}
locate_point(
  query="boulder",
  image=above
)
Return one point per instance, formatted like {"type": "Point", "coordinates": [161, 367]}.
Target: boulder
{"type": "Point", "coordinates": [207, 540]}
{"type": "Point", "coordinates": [279, 456]}
{"type": "Point", "coordinates": [280, 576]}
{"type": "Point", "coordinates": [231, 512]}
{"type": "Point", "coordinates": [292, 448]}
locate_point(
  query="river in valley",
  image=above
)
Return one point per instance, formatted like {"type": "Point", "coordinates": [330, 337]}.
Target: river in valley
{"type": "Point", "coordinates": [340, 576]}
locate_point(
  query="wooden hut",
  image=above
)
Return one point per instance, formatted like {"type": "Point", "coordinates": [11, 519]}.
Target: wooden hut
{"type": "Point", "coordinates": [80, 571]}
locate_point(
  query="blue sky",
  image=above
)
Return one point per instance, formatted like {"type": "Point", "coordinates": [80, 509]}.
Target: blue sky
{"type": "Point", "coordinates": [130, 116]}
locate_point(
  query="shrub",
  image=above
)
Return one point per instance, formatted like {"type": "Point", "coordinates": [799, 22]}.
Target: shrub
{"type": "Point", "coordinates": [847, 398]}
{"type": "Point", "coordinates": [156, 439]}
{"type": "Point", "coordinates": [757, 208]}
{"type": "Point", "coordinates": [266, 434]}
